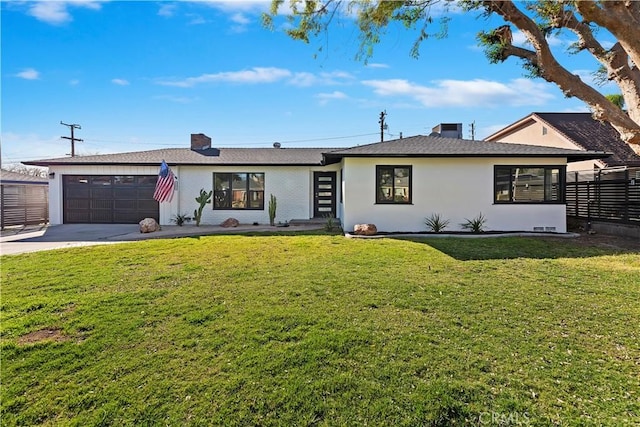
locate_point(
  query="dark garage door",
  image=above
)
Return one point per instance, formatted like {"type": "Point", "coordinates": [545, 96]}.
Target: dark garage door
{"type": "Point", "coordinates": [108, 199]}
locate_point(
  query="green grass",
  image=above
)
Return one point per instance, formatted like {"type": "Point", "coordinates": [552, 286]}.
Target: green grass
{"type": "Point", "coordinates": [323, 330]}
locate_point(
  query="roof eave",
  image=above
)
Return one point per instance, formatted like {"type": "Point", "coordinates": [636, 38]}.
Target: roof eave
{"type": "Point", "coordinates": [577, 156]}
{"type": "Point", "coordinates": [156, 164]}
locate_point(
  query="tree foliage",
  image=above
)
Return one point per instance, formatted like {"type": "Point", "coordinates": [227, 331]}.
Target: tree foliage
{"type": "Point", "coordinates": [536, 20]}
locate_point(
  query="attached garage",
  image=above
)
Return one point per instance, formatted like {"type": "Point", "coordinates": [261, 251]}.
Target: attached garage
{"type": "Point", "coordinates": [108, 199]}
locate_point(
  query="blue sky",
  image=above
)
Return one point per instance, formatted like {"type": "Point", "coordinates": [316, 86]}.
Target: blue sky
{"type": "Point", "coordinates": [145, 75]}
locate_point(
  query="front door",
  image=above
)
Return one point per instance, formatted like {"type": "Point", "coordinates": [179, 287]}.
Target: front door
{"type": "Point", "coordinates": [324, 190]}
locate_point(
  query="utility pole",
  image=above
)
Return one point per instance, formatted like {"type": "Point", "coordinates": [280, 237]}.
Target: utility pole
{"type": "Point", "coordinates": [473, 130]}
{"type": "Point", "coordinates": [72, 138]}
{"type": "Point", "coordinates": [383, 114]}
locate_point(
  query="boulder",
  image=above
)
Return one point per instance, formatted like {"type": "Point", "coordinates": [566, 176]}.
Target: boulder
{"type": "Point", "coordinates": [365, 229]}
{"type": "Point", "coordinates": [230, 222]}
{"type": "Point", "coordinates": [149, 225]}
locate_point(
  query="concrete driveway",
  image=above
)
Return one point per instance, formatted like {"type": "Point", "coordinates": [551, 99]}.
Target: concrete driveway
{"type": "Point", "coordinates": [41, 238]}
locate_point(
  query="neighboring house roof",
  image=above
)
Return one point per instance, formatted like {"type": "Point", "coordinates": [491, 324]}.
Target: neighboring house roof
{"type": "Point", "coordinates": [187, 156]}
{"type": "Point", "coordinates": [585, 132]}
{"type": "Point", "coordinates": [8, 177]}
{"type": "Point", "coordinates": [434, 146]}
{"type": "Point", "coordinates": [416, 146]}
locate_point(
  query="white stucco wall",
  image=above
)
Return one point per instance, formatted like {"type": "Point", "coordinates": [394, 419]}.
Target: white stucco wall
{"type": "Point", "coordinates": [454, 188]}
{"type": "Point", "coordinates": [292, 186]}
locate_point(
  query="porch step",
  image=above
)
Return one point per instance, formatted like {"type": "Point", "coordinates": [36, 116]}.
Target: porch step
{"type": "Point", "coordinates": [309, 221]}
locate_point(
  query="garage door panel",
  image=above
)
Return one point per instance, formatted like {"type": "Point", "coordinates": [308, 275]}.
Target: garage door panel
{"type": "Point", "coordinates": [125, 204]}
{"type": "Point", "coordinates": [78, 192]}
{"type": "Point", "coordinates": [126, 193]}
{"type": "Point", "coordinates": [120, 199]}
{"type": "Point", "coordinates": [148, 205]}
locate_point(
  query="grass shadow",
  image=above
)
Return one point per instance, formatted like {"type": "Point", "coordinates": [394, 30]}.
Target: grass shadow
{"type": "Point", "coordinates": [465, 249]}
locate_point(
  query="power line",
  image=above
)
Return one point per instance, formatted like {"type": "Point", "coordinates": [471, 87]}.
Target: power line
{"type": "Point", "coordinates": [73, 139]}
{"type": "Point", "coordinates": [269, 143]}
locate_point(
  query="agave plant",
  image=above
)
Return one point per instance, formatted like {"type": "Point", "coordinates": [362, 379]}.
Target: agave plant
{"type": "Point", "coordinates": [436, 223]}
{"type": "Point", "coordinates": [475, 225]}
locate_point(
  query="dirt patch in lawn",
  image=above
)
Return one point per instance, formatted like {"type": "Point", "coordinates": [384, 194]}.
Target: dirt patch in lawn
{"type": "Point", "coordinates": [631, 244]}
{"type": "Point", "coordinates": [51, 335]}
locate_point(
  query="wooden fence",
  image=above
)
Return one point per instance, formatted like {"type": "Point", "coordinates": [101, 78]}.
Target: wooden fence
{"type": "Point", "coordinates": [604, 195]}
{"type": "Point", "coordinates": [23, 204]}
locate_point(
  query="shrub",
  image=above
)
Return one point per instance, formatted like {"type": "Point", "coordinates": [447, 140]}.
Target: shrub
{"type": "Point", "coordinates": [475, 225]}
{"type": "Point", "coordinates": [180, 219]}
{"type": "Point", "coordinates": [436, 223]}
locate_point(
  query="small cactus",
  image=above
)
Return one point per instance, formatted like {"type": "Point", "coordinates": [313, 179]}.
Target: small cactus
{"type": "Point", "coordinates": [272, 210]}
{"type": "Point", "coordinates": [203, 199]}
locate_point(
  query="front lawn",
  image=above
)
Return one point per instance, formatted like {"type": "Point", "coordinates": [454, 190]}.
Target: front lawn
{"type": "Point", "coordinates": [322, 330]}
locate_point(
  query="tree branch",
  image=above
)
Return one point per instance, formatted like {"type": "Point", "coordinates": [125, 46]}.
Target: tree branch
{"type": "Point", "coordinates": [620, 18]}
{"type": "Point", "coordinates": [550, 70]}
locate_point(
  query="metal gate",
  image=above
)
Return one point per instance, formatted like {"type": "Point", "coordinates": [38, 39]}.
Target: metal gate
{"type": "Point", "coordinates": [604, 195]}
{"type": "Point", "coordinates": [24, 204]}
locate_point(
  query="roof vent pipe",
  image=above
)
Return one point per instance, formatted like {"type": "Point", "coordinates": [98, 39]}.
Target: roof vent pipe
{"type": "Point", "coordinates": [276, 145]}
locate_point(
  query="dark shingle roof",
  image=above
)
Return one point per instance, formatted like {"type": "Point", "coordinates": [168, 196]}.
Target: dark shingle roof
{"type": "Point", "coordinates": [590, 134]}
{"type": "Point", "coordinates": [186, 156]}
{"type": "Point", "coordinates": [433, 146]}
{"type": "Point", "coordinates": [20, 178]}
{"type": "Point", "coordinates": [416, 146]}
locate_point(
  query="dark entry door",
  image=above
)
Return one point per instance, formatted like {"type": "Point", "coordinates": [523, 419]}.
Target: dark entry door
{"type": "Point", "coordinates": [324, 190]}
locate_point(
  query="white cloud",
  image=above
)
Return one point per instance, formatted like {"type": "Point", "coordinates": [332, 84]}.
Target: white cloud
{"type": "Point", "coordinates": [57, 12]}
{"type": "Point", "coordinates": [465, 93]}
{"type": "Point", "coordinates": [252, 76]}
{"type": "Point", "coordinates": [306, 79]}
{"type": "Point", "coordinates": [29, 74]}
{"type": "Point", "coordinates": [74, 82]}
{"type": "Point", "coordinates": [239, 19]}
{"type": "Point", "coordinates": [324, 98]}
{"type": "Point", "coordinates": [167, 10]}
{"type": "Point", "coordinates": [263, 75]}
{"type": "Point", "coordinates": [241, 22]}
{"type": "Point", "coordinates": [255, 6]}
{"type": "Point", "coordinates": [176, 99]}
{"type": "Point", "coordinates": [377, 65]}
{"type": "Point", "coordinates": [196, 19]}
{"type": "Point", "coordinates": [120, 82]}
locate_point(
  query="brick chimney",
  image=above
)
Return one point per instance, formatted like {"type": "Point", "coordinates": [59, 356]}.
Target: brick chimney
{"type": "Point", "coordinates": [200, 141]}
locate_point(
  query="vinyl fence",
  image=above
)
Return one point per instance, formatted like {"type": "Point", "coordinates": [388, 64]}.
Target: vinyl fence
{"type": "Point", "coordinates": [604, 195]}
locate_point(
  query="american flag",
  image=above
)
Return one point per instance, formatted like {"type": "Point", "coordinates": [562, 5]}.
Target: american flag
{"type": "Point", "coordinates": [165, 184]}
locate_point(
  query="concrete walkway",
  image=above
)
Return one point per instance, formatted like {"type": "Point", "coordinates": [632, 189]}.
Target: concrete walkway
{"type": "Point", "coordinates": [40, 238]}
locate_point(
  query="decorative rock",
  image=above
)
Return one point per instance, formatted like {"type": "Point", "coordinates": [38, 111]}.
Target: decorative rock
{"type": "Point", "coordinates": [230, 222]}
{"type": "Point", "coordinates": [149, 225]}
{"type": "Point", "coordinates": [365, 229]}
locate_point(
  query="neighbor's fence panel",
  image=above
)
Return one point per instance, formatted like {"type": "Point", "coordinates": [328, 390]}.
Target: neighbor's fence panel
{"type": "Point", "coordinates": [606, 195]}
{"type": "Point", "coordinates": [23, 204]}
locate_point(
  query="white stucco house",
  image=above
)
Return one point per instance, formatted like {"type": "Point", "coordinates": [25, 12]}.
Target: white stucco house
{"type": "Point", "coordinates": [393, 184]}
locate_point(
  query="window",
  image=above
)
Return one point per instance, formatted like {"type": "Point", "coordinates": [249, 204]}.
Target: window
{"type": "Point", "coordinates": [238, 191]}
{"type": "Point", "coordinates": [393, 184]}
{"type": "Point", "coordinates": [529, 184]}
